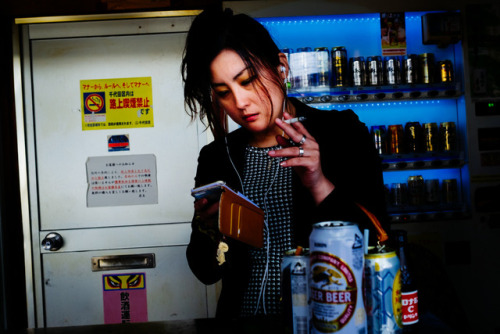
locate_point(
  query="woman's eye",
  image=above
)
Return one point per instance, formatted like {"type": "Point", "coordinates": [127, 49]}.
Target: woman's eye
{"type": "Point", "coordinates": [248, 81]}
{"type": "Point", "coordinates": [222, 93]}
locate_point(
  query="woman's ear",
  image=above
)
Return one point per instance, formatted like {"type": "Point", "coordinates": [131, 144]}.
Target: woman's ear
{"type": "Point", "coordinates": [284, 67]}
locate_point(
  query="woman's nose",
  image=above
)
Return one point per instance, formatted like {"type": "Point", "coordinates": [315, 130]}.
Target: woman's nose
{"type": "Point", "coordinates": [241, 98]}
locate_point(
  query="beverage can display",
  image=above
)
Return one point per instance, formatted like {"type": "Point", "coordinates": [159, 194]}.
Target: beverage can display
{"type": "Point", "coordinates": [375, 71]}
{"type": "Point", "coordinates": [383, 292]}
{"type": "Point", "coordinates": [410, 69]}
{"type": "Point", "coordinates": [336, 265]}
{"type": "Point", "coordinates": [431, 138]}
{"type": "Point", "coordinates": [427, 66]}
{"type": "Point", "coordinates": [448, 137]}
{"type": "Point", "coordinates": [358, 71]}
{"type": "Point", "coordinates": [339, 67]}
{"type": "Point", "coordinates": [392, 70]}
{"type": "Point", "coordinates": [445, 70]}
{"type": "Point", "coordinates": [416, 190]}
{"type": "Point", "coordinates": [396, 139]}
{"type": "Point", "coordinates": [295, 291]}
{"type": "Point", "coordinates": [379, 135]}
{"type": "Point", "coordinates": [413, 137]}
{"type": "Point", "coordinates": [322, 76]}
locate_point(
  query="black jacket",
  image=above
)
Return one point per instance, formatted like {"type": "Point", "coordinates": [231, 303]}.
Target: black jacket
{"type": "Point", "coordinates": [349, 160]}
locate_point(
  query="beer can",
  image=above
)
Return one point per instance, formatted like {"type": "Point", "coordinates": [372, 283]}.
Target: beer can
{"type": "Point", "coordinates": [445, 70]}
{"type": "Point", "coordinates": [432, 195]}
{"type": "Point", "coordinates": [410, 69]}
{"type": "Point", "coordinates": [302, 64]}
{"type": "Point", "coordinates": [392, 67]}
{"type": "Point", "coordinates": [322, 76]}
{"type": "Point", "coordinates": [449, 189]}
{"type": "Point", "coordinates": [339, 67]}
{"type": "Point", "coordinates": [379, 136]}
{"type": "Point", "coordinates": [375, 71]}
{"type": "Point", "coordinates": [383, 292]}
{"type": "Point", "coordinates": [358, 71]}
{"type": "Point", "coordinates": [336, 265]}
{"type": "Point", "coordinates": [399, 195]}
{"type": "Point", "coordinates": [416, 190]}
{"type": "Point", "coordinates": [427, 64]}
{"type": "Point", "coordinates": [295, 290]}
{"type": "Point", "coordinates": [396, 139]}
{"type": "Point", "coordinates": [287, 52]}
{"type": "Point", "coordinates": [413, 137]}
{"type": "Point", "coordinates": [431, 137]}
{"type": "Point", "coordinates": [448, 137]}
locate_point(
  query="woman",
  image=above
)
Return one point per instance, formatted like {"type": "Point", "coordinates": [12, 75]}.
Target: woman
{"type": "Point", "coordinates": [298, 173]}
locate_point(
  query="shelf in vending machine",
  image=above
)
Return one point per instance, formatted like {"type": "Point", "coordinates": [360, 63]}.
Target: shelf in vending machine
{"type": "Point", "coordinates": [378, 93]}
{"type": "Point", "coordinates": [428, 160]}
{"type": "Point", "coordinates": [457, 212]}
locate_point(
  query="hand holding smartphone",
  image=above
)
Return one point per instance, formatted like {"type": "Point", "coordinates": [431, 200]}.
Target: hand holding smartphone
{"type": "Point", "coordinates": [211, 191]}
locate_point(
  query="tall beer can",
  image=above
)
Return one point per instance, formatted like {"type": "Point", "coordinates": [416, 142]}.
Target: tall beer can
{"type": "Point", "coordinates": [416, 190]}
{"type": "Point", "coordinates": [449, 189]}
{"type": "Point", "coordinates": [431, 137]}
{"type": "Point", "coordinates": [287, 52]}
{"type": "Point", "coordinates": [413, 137]}
{"type": "Point", "coordinates": [322, 78]}
{"type": "Point", "coordinates": [295, 290]}
{"type": "Point", "coordinates": [396, 139]}
{"type": "Point", "coordinates": [336, 264]}
{"type": "Point", "coordinates": [358, 71]}
{"type": "Point", "coordinates": [375, 71]}
{"type": "Point", "coordinates": [410, 69]}
{"type": "Point", "coordinates": [445, 71]}
{"type": "Point", "coordinates": [427, 67]}
{"type": "Point", "coordinates": [302, 62]}
{"type": "Point", "coordinates": [392, 70]}
{"type": "Point", "coordinates": [339, 67]}
{"type": "Point", "coordinates": [383, 292]}
{"type": "Point", "coordinates": [448, 137]}
{"type": "Point", "coordinates": [379, 136]}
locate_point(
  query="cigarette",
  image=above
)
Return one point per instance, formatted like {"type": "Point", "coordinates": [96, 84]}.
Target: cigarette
{"type": "Point", "coordinates": [296, 119]}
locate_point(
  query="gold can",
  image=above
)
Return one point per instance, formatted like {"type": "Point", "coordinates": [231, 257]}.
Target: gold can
{"type": "Point", "coordinates": [431, 138]}
{"type": "Point", "coordinates": [445, 68]}
{"type": "Point", "coordinates": [396, 139]}
{"type": "Point", "coordinates": [427, 67]}
{"type": "Point", "coordinates": [448, 136]}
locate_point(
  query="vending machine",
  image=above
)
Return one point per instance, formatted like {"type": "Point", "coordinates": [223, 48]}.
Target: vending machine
{"type": "Point", "coordinates": [407, 77]}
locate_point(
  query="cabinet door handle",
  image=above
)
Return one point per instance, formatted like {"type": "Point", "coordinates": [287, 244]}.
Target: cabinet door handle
{"type": "Point", "coordinates": [115, 262]}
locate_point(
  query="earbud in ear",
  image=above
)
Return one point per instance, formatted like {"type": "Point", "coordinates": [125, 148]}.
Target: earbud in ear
{"type": "Point", "coordinates": [283, 69]}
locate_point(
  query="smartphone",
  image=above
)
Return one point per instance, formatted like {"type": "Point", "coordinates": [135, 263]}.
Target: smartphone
{"type": "Point", "coordinates": [209, 191]}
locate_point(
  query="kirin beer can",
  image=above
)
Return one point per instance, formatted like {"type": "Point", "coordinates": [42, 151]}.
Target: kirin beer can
{"type": "Point", "coordinates": [383, 292]}
{"type": "Point", "coordinates": [392, 70]}
{"type": "Point", "coordinates": [375, 71]}
{"type": "Point", "coordinates": [303, 64]}
{"type": "Point", "coordinates": [336, 264]}
{"type": "Point", "coordinates": [339, 67]}
{"type": "Point", "coordinates": [295, 290]}
{"type": "Point", "coordinates": [358, 71]}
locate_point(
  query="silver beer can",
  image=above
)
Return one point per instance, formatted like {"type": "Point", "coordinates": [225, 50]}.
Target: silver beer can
{"type": "Point", "coordinates": [336, 266]}
{"type": "Point", "coordinates": [375, 71]}
{"type": "Point", "coordinates": [358, 71]}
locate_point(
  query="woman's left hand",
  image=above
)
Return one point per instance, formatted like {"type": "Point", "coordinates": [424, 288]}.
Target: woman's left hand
{"type": "Point", "coordinates": [303, 154]}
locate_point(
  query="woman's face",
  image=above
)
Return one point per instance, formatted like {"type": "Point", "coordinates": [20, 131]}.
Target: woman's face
{"type": "Point", "coordinates": [242, 97]}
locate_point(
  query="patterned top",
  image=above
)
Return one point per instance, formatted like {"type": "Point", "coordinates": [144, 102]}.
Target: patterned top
{"type": "Point", "coordinates": [268, 185]}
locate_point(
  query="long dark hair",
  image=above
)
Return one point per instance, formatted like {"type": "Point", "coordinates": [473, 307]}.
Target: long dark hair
{"type": "Point", "coordinates": [211, 32]}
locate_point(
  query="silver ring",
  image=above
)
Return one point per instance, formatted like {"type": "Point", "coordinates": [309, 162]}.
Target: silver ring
{"type": "Point", "coordinates": [303, 140]}
{"type": "Point", "coordinates": [301, 151]}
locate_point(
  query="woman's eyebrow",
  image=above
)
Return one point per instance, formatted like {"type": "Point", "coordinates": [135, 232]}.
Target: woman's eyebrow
{"type": "Point", "coordinates": [239, 74]}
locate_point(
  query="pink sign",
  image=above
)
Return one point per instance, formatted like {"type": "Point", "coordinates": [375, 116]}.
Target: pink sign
{"type": "Point", "coordinates": [125, 298]}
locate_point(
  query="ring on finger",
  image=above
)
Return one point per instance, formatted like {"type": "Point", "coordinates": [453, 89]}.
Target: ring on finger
{"type": "Point", "coordinates": [301, 151]}
{"type": "Point", "coordinates": [303, 140]}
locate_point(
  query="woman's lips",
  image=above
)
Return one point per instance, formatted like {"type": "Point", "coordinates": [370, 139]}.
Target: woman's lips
{"type": "Point", "coordinates": [250, 118]}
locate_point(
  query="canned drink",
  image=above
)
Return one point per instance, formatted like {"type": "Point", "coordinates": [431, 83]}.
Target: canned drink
{"type": "Point", "coordinates": [399, 195]}
{"type": "Point", "coordinates": [379, 135]}
{"type": "Point", "coordinates": [336, 265]}
{"type": "Point", "coordinates": [322, 78]}
{"type": "Point", "coordinates": [383, 292]}
{"type": "Point", "coordinates": [375, 71]}
{"type": "Point", "coordinates": [416, 190]}
{"type": "Point", "coordinates": [445, 70]}
{"type": "Point", "coordinates": [432, 195]}
{"type": "Point", "coordinates": [431, 137]}
{"type": "Point", "coordinates": [339, 67]}
{"type": "Point", "coordinates": [287, 53]}
{"type": "Point", "coordinates": [427, 67]}
{"type": "Point", "coordinates": [410, 69]}
{"type": "Point", "coordinates": [413, 137]}
{"type": "Point", "coordinates": [295, 291]}
{"type": "Point", "coordinates": [396, 139]}
{"type": "Point", "coordinates": [392, 70]}
{"type": "Point", "coordinates": [449, 189]}
{"type": "Point", "coordinates": [358, 71]}
{"type": "Point", "coordinates": [448, 137]}
{"type": "Point", "coordinates": [302, 65]}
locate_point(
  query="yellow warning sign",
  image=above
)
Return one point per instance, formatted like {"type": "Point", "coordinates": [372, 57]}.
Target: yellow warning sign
{"type": "Point", "coordinates": [117, 103]}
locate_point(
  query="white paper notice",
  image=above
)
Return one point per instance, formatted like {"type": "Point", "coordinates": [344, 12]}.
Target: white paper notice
{"type": "Point", "coordinates": [122, 180]}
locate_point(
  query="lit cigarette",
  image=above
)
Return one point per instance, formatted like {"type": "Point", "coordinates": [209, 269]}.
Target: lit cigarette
{"type": "Point", "coordinates": [296, 119]}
